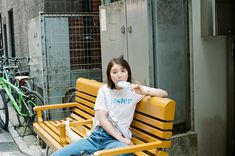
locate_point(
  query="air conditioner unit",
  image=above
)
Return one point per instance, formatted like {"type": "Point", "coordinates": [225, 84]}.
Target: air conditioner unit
{"type": "Point", "coordinates": [217, 17]}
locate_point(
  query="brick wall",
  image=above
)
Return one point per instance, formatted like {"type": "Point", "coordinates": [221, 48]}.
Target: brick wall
{"type": "Point", "coordinates": [84, 36]}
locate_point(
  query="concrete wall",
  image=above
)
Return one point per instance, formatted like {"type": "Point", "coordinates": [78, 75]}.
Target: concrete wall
{"type": "Point", "coordinates": [209, 88]}
{"type": "Point", "coordinates": [23, 10]}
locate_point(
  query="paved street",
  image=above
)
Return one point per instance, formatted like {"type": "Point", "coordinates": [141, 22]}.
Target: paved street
{"type": "Point", "coordinates": [8, 145]}
{"type": "Point", "coordinates": [12, 144]}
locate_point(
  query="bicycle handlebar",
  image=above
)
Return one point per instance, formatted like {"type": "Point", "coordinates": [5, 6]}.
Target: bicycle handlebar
{"type": "Point", "coordinates": [11, 67]}
{"type": "Point", "coordinates": [13, 59]}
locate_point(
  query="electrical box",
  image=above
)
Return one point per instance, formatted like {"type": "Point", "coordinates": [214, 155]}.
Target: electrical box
{"type": "Point", "coordinates": [217, 17]}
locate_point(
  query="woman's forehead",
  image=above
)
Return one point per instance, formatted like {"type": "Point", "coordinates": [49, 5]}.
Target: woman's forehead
{"type": "Point", "coordinates": [117, 66]}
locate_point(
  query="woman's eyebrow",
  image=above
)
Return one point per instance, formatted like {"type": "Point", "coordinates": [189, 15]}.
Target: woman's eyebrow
{"type": "Point", "coordinates": [113, 69]}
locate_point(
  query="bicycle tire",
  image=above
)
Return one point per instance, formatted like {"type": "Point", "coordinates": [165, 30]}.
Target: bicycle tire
{"type": "Point", "coordinates": [27, 85]}
{"type": "Point", "coordinates": [4, 113]}
{"type": "Point", "coordinates": [24, 85]}
{"type": "Point", "coordinates": [33, 99]}
{"type": "Point", "coordinates": [14, 92]}
{"type": "Point", "coordinates": [69, 95]}
{"type": "Point", "coordinates": [72, 97]}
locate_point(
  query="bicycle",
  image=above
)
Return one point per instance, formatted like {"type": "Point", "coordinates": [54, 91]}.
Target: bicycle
{"type": "Point", "coordinates": [22, 78]}
{"type": "Point", "coordinates": [15, 73]}
{"type": "Point", "coordinates": [23, 104]}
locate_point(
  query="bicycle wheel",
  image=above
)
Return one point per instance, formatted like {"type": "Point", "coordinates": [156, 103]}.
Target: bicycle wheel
{"type": "Point", "coordinates": [4, 114]}
{"type": "Point", "coordinates": [25, 84]}
{"type": "Point", "coordinates": [69, 95]}
{"type": "Point", "coordinates": [32, 99]}
{"type": "Point", "coordinates": [72, 97]}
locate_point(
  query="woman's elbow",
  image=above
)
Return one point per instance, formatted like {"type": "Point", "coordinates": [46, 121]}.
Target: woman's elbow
{"type": "Point", "coordinates": [163, 94]}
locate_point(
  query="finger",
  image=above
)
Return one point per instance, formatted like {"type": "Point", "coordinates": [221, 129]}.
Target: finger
{"type": "Point", "coordinates": [137, 82]}
{"type": "Point", "coordinates": [134, 86]}
{"type": "Point", "coordinates": [131, 143]}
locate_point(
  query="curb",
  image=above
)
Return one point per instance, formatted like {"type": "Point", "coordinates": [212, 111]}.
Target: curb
{"type": "Point", "coordinates": [28, 145]}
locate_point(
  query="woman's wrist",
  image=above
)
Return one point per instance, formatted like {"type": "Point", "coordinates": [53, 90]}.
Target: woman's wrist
{"type": "Point", "coordinates": [146, 91]}
{"type": "Point", "coordinates": [119, 137]}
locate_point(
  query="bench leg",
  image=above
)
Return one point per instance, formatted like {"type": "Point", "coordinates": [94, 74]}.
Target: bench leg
{"type": "Point", "coordinates": [47, 151]}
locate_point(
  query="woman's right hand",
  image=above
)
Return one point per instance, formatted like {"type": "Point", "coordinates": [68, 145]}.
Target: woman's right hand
{"type": "Point", "coordinates": [126, 141]}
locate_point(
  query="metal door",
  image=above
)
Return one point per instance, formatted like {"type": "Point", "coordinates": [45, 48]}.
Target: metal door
{"type": "Point", "coordinates": [126, 30]}
{"type": "Point", "coordinates": [113, 32]}
{"type": "Point", "coordinates": [140, 40]}
{"type": "Point", "coordinates": [56, 58]}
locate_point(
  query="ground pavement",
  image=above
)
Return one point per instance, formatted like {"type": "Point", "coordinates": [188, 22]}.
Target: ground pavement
{"type": "Point", "coordinates": [12, 144]}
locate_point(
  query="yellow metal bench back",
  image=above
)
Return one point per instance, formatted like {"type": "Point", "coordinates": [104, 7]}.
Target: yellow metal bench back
{"type": "Point", "coordinates": [153, 119]}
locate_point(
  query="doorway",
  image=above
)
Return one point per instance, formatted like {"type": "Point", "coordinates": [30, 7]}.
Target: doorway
{"type": "Point", "coordinates": [12, 35]}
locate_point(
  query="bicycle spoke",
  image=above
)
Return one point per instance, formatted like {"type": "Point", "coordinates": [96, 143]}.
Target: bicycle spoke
{"type": "Point", "coordinates": [32, 99]}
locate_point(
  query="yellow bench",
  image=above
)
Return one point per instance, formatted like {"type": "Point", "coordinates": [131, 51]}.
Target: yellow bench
{"type": "Point", "coordinates": [152, 125]}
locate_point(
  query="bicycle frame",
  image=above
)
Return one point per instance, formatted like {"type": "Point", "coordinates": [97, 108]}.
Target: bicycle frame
{"type": "Point", "coordinates": [7, 86]}
{"type": "Point", "coordinates": [7, 74]}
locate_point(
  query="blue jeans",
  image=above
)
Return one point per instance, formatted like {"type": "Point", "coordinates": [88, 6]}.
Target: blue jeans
{"type": "Point", "coordinates": [98, 140]}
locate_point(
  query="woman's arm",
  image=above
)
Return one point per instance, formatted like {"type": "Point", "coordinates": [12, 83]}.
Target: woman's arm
{"type": "Point", "coordinates": [144, 90]}
{"type": "Point", "coordinates": [108, 127]}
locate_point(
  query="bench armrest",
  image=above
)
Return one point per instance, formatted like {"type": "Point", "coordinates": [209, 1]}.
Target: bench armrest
{"type": "Point", "coordinates": [61, 127]}
{"type": "Point", "coordinates": [76, 123]}
{"type": "Point", "coordinates": [134, 148]}
{"type": "Point", "coordinates": [39, 109]}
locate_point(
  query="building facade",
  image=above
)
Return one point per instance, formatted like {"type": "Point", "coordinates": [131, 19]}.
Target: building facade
{"type": "Point", "coordinates": [196, 69]}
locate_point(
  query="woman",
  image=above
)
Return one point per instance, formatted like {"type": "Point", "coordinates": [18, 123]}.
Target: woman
{"type": "Point", "coordinates": [114, 110]}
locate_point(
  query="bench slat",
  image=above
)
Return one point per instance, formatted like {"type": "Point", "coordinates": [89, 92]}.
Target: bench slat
{"type": "Point", "coordinates": [153, 122]}
{"type": "Point", "coordinates": [78, 118]}
{"type": "Point", "coordinates": [86, 109]}
{"type": "Point", "coordinates": [75, 117]}
{"type": "Point", "coordinates": [49, 131]}
{"type": "Point", "coordinates": [83, 114]}
{"type": "Point", "coordinates": [141, 154]}
{"type": "Point", "coordinates": [151, 130]}
{"type": "Point", "coordinates": [142, 135]}
{"type": "Point", "coordinates": [86, 103]}
{"type": "Point", "coordinates": [85, 96]}
{"type": "Point", "coordinates": [161, 108]}
{"type": "Point", "coordinates": [44, 135]}
{"type": "Point", "coordinates": [88, 86]}
{"type": "Point", "coordinates": [52, 126]}
{"type": "Point", "coordinates": [137, 141]}
{"type": "Point", "coordinates": [81, 132]}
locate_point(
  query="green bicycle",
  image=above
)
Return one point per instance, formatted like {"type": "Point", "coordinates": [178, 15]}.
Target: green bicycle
{"type": "Point", "coordinates": [23, 104]}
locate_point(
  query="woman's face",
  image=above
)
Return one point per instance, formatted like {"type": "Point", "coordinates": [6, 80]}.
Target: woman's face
{"type": "Point", "coordinates": [118, 73]}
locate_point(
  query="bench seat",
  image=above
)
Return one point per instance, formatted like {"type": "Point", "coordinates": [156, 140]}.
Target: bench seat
{"type": "Point", "coordinates": [152, 125]}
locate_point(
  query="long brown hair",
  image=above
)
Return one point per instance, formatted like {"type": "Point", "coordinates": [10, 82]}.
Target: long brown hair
{"type": "Point", "coordinates": [121, 61]}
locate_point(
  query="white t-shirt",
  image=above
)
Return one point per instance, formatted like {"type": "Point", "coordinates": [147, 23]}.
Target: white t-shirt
{"type": "Point", "coordinates": [120, 105]}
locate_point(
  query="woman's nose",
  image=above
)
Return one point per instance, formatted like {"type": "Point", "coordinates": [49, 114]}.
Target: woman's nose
{"type": "Point", "coordinates": [119, 75]}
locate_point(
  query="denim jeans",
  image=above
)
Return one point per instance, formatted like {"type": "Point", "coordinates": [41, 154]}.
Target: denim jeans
{"type": "Point", "coordinates": [98, 140]}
